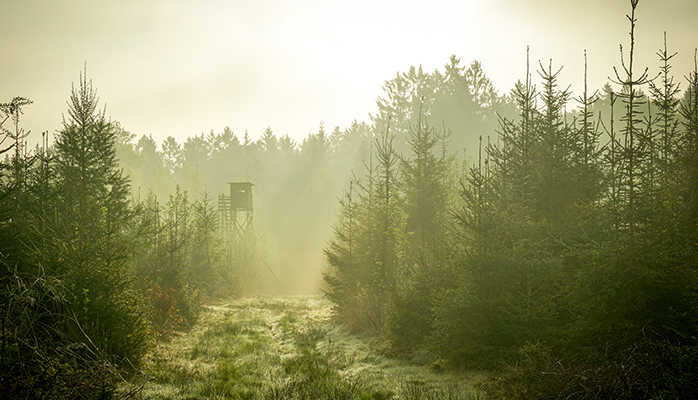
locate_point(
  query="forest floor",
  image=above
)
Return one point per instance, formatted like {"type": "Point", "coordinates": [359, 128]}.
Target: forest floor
{"type": "Point", "coordinates": [289, 348]}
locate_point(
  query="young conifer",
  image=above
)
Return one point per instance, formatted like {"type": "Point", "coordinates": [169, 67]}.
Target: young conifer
{"type": "Point", "coordinates": [89, 244]}
{"type": "Point", "coordinates": [630, 147]}
{"type": "Point", "coordinates": [664, 99]}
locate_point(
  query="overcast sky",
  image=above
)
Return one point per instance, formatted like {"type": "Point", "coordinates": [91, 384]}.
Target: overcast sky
{"type": "Point", "coordinates": [180, 68]}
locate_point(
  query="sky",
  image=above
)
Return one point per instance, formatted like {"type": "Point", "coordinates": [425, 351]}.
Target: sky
{"type": "Point", "coordinates": [181, 68]}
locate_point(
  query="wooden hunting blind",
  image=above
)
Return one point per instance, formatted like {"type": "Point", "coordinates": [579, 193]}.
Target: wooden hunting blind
{"type": "Point", "coordinates": [236, 209]}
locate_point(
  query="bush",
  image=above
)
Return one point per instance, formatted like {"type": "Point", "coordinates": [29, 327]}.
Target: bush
{"type": "Point", "coordinates": [42, 357]}
{"type": "Point", "coordinates": [643, 365]}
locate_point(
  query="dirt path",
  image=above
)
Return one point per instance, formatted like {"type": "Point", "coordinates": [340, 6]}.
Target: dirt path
{"type": "Point", "coordinates": [288, 348]}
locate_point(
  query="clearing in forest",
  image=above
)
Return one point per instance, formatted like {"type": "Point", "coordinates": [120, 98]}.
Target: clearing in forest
{"type": "Point", "coordinates": [288, 348]}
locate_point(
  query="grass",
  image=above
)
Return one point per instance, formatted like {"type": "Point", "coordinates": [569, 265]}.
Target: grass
{"type": "Point", "coordinates": [287, 348]}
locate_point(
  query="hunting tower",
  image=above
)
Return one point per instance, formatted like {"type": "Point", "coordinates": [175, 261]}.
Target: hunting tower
{"type": "Point", "coordinates": [236, 209]}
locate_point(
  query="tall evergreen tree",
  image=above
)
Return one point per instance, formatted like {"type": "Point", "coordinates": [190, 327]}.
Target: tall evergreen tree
{"type": "Point", "coordinates": [664, 98]}
{"type": "Point", "coordinates": [90, 246]}
{"type": "Point", "coordinates": [632, 147]}
{"type": "Point", "coordinates": [688, 159]}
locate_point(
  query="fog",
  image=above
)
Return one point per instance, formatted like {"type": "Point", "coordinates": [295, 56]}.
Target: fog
{"type": "Point", "coordinates": [182, 68]}
{"type": "Point", "coordinates": [186, 70]}
{"type": "Point", "coordinates": [214, 198]}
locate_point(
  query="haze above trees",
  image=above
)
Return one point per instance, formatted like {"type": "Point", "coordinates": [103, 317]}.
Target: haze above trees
{"type": "Point", "coordinates": [536, 231]}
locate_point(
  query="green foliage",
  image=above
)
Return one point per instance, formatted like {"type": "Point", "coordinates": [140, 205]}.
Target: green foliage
{"type": "Point", "coordinates": [70, 322]}
{"type": "Point", "coordinates": [370, 249]}
{"type": "Point", "coordinates": [182, 262]}
{"type": "Point", "coordinates": [40, 357]}
{"type": "Point", "coordinates": [567, 259]}
{"type": "Point", "coordinates": [207, 258]}
{"type": "Point", "coordinates": [410, 319]}
{"type": "Point", "coordinates": [568, 252]}
{"type": "Point", "coordinates": [89, 244]}
{"type": "Point", "coordinates": [426, 181]}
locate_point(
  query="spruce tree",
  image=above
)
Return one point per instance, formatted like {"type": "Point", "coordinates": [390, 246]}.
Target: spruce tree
{"type": "Point", "coordinates": [631, 147]}
{"type": "Point", "coordinates": [554, 189]}
{"type": "Point", "coordinates": [90, 246]}
{"type": "Point", "coordinates": [664, 98]}
{"type": "Point", "coordinates": [586, 136]}
{"type": "Point", "coordinates": [425, 180]}
{"type": "Point", "coordinates": [688, 165]}
{"type": "Point", "coordinates": [347, 273]}
{"type": "Point", "coordinates": [424, 176]}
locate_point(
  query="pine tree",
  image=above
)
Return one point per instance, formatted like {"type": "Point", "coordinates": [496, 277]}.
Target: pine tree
{"type": "Point", "coordinates": [631, 148]}
{"type": "Point", "coordinates": [688, 159]}
{"type": "Point", "coordinates": [425, 186]}
{"type": "Point", "coordinates": [586, 136]}
{"type": "Point", "coordinates": [89, 245]}
{"type": "Point", "coordinates": [90, 181]}
{"type": "Point", "coordinates": [368, 250]}
{"type": "Point", "coordinates": [554, 188]}
{"type": "Point", "coordinates": [347, 273]}
{"type": "Point", "coordinates": [665, 100]}
{"type": "Point", "coordinates": [207, 253]}
{"type": "Point", "coordinates": [424, 176]}
{"type": "Point", "coordinates": [21, 161]}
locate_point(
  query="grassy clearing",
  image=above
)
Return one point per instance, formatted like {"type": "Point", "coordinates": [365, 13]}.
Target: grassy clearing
{"type": "Point", "coordinates": [287, 348]}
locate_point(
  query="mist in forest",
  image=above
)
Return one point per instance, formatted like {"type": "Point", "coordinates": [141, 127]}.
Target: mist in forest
{"type": "Point", "coordinates": [182, 68]}
{"type": "Point", "coordinates": [295, 190]}
{"type": "Point", "coordinates": [220, 92]}
{"type": "Point", "coordinates": [498, 187]}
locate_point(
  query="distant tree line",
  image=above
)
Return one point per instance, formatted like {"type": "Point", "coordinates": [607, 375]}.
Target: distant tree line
{"type": "Point", "coordinates": [297, 183]}
{"type": "Point", "coordinates": [565, 255]}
